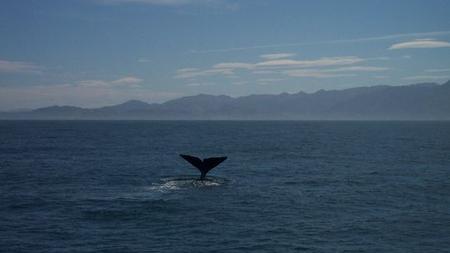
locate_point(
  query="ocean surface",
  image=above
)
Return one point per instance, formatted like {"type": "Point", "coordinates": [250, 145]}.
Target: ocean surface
{"type": "Point", "coordinates": [120, 186]}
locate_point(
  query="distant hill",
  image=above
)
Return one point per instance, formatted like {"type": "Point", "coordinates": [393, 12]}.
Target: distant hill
{"type": "Point", "coordinates": [425, 101]}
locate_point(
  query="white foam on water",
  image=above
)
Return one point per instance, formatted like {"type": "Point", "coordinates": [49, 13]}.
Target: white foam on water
{"type": "Point", "coordinates": [166, 186]}
{"type": "Point", "coordinates": [181, 183]}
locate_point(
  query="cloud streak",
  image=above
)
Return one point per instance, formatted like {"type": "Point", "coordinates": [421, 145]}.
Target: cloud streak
{"type": "Point", "coordinates": [321, 62]}
{"type": "Point", "coordinates": [333, 72]}
{"type": "Point", "coordinates": [19, 67]}
{"type": "Point", "coordinates": [276, 56]}
{"type": "Point", "coordinates": [128, 81]}
{"type": "Point", "coordinates": [427, 77]}
{"type": "Point", "coordinates": [265, 81]}
{"type": "Point", "coordinates": [324, 67]}
{"type": "Point", "coordinates": [144, 60]}
{"type": "Point", "coordinates": [297, 44]}
{"type": "Point", "coordinates": [194, 73]}
{"type": "Point", "coordinates": [315, 73]}
{"type": "Point", "coordinates": [273, 66]}
{"type": "Point", "coordinates": [233, 65]}
{"type": "Point", "coordinates": [437, 70]}
{"type": "Point", "coordinates": [420, 43]}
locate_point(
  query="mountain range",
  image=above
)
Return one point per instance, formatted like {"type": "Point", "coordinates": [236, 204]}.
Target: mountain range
{"type": "Point", "coordinates": [424, 101]}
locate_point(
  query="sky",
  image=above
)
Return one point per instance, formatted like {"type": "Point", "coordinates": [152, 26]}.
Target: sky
{"type": "Point", "coordinates": [93, 53]}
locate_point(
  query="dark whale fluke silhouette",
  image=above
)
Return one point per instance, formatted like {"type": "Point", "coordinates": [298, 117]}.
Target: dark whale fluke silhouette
{"type": "Point", "coordinates": [204, 166]}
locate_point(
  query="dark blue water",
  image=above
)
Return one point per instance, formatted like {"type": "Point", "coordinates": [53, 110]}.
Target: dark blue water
{"type": "Point", "coordinates": [74, 186]}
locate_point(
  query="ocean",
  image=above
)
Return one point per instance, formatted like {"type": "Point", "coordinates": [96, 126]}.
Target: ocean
{"type": "Point", "coordinates": [287, 186]}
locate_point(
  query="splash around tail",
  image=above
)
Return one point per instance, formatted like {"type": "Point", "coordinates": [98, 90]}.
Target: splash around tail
{"type": "Point", "coordinates": [187, 182]}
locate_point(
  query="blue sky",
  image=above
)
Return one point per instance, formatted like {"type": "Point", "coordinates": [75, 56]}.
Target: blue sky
{"type": "Point", "coordinates": [100, 52]}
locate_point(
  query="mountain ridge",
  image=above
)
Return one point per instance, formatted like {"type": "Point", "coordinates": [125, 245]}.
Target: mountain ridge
{"type": "Point", "coordinates": [421, 101]}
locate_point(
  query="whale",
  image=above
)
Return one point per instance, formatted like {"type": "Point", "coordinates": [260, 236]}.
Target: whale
{"type": "Point", "coordinates": [205, 165]}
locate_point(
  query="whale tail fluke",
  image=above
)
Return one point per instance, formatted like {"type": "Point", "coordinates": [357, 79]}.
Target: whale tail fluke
{"type": "Point", "coordinates": [204, 166]}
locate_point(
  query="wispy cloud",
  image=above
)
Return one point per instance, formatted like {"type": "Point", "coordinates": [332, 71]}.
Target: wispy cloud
{"type": "Point", "coordinates": [19, 67]}
{"type": "Point", "coordinates": [276, 56]}
{"type": "Point", "coordinates": [359, 69]}
{"type": "Point", "coordinates": [428, 77]}
{"type": "Point", "coordinates": [195, 84]}
{"type": "Point", "coordinates": [233, 65]}
{"type": "Point", "coordinates": [229, 68]}
{"type": "Point", "coordinates": [420, 43]}
{"type": "Point", "coordinates": [437, 70]}
{"type": "Point", "coordinates": [264, 72]}
{"type": "Point", "coordinates": [324, 67]}
{"type": "Point", "coordinates": [314, 73]}
{"type": "Point", "coordinates": [189, 73]}
{"type": "Point", "coordinates": [144, 60]}
{"type": "Point", "coordinates": [128, 81]}
{"type": "Point", "coordinates": [265, 81]}
{"type": "Point", "coordinates": [321, 62]}
{"type": "Point", "coordinates": [354, 40]}
{"type": "Point", "coordinates": [332, 72]}
{"type": "Point", "coordinates": [240, 82]}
